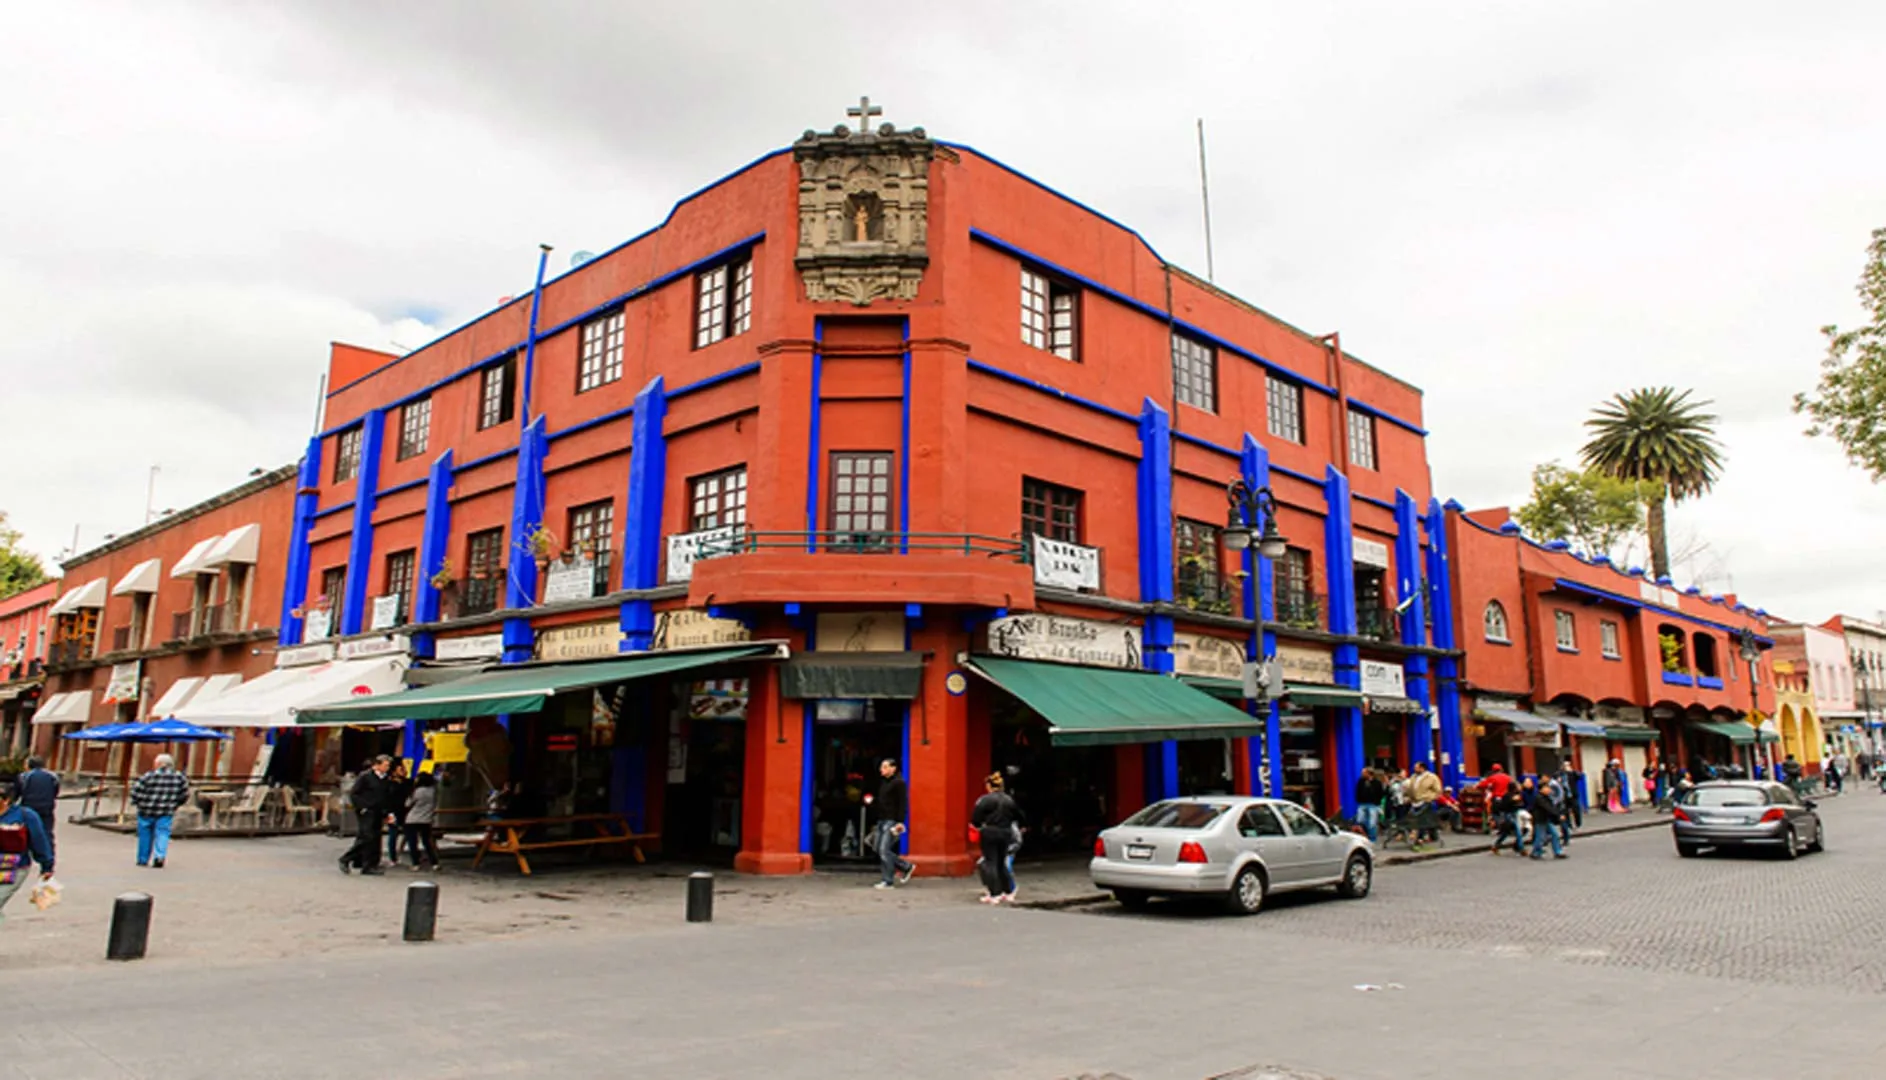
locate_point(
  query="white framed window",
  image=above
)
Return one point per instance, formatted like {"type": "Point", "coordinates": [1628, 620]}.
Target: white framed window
{"type": "Point", "coordinates": [1494, 619]}
{"type": "Point", "coordinates": [1567, 630]}
{"type": "Point", "coordinates": [1285, 402]}
{"type": "Point", "coordinates": [1608, 639]}
{"type": "Point", "coordinates": [1194, 373]}
{"type": "Point", "coordinates": [600, 361]}
{"type": "Point", "coordinates": [723, 301]}
{"type": "Point", "coordinates": [1361, 440]}
{"type": "Point", "coordinates": [1048, 314]}
{"type": "Point", "coordinates": [347, 455]}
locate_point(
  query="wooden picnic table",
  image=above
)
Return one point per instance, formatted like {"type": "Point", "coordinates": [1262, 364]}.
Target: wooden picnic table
{"type": "Point", "coordinates": [507, 836]}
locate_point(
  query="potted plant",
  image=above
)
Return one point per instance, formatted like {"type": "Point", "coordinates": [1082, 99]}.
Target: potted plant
{"type": "Point", "coordinates": [543, 545]}
{"type": "Point", "coordinates": [445, 577]}
{"type": "Point", "coordinates": [1672, 652]}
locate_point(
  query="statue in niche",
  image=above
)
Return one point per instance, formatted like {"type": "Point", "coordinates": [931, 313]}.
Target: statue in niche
{"type": "Point", "coordinates": [864, 218]}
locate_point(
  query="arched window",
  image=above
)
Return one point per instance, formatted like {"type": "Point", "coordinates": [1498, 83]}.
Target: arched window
{"type": "Point", "coordinates": [1496, 622]}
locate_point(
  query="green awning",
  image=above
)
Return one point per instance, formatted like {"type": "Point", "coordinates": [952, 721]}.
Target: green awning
{"type": "Point", "coordinates": [1231, 690]}
{"type": "Point", "coordinates": [1087, 706]}
{"type": "Point", "coordinates": [515, 689]}
{"type": "Point", "coordinates": [1766, 736]}
{"type": "Point", "coordinates": [815, 675]}
{"type": "Point", "coordinates": [1740, 734]}
{"type": "Point", "coordinates": [1339, 696]}
{"type": "Point", "coordinates": [1630, 733]}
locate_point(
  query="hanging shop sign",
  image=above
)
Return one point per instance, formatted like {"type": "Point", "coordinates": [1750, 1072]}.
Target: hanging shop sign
{"type": "Point", "coordinates": [573, 579]}
{"type": "Point", "coordinates": [1369, 553]}
{"type": "Point", "coordinates": [860, 631]}
{"type": "Point", "coordinates": [317, 624]}
{"type": "Point", "coordinates": [1617, 714]}
{"type": "Point", "coordinates": [1066, 566]}
{"type": "Point", "coordinates": [378, 645]}
{"type": "Point", "coordinates": [1520, 737]}
{"type": "Point", "coordinates": [124, 683]}
{"type": "Point", "coordinates": [1307, 665]}
{"type": "Point", "coordinates": [475, 647]}
{"type": "Point", "coordinates": [717, 699]}
{"type": "Point", "coordinates": [1204, 656]}
{"type": "Point", "coordinates": [1296, 723]}
{"type": "Point", "coordinates": [1380, 678]}
{"type": "Point", "coordinates": [1068, 641]}
{"type": "Point", "coordinates": [686, 549]}
{"type": "Point", "coordinates": [691, 627]}
{"type": "Point", "coordinates": [561, 743]}
{"type": "Point", "coordinates": [584, 641]}
{"type": "Point", "coordinates": [385, 612]}
{"type": "Point", "coordinates": [602, 717]}
{"type": "Point", "coordinates": [1490, 703]}
{"type": "Point", "coordinates": [304, 655]}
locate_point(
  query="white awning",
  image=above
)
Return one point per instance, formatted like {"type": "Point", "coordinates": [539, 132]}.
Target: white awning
{"type": "Point", "coordinates": [192, 562]}
{"type": "Point", "coordinates": [237, 546]}
{"type": "Point", "coordinates": [72, 708]}
{"type": "Point", "coordinates": [271, 700]}
{"type": "Point", "coordinates": [91, 594]}
{"type": "Point", "coordinates": [214, 687]}
{"type": "Point", "coordinates": [179, 693]}
{"type": "Point", "coordinates": [64, 604]}
{"type": "Point", "coordinates": [142, 578]}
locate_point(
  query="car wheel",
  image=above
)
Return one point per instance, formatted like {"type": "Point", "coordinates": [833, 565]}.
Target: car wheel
{"type": "Point", "coordinates": [1688, 851]}
{"type": "Point", "coordinates": [1792, 850]}
{"type": "Point", "coordinates": [1247, 892]}
{"type": "Point", "coordinates": [1819, 843]}
{"type": "Point", "coordinates": [1357, 876]}
{"type": "Point", "coordinates": [1132, 899]}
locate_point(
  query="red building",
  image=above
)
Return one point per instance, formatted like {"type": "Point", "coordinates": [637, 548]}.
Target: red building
{"type": "Point", "coordinates": [957, 442]}
{"type": "Point", "coordinates": [23, 632]}
{"type": "Point", "coordinates": [177, 612]}
{"type": "Point", "coordinates": [1573, 659]}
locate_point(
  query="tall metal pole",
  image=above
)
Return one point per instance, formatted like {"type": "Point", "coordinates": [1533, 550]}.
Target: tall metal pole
{"type": "Point", "coordinates": [530, 341]}
{"type": "Point", "coordinates": [1204, 194]}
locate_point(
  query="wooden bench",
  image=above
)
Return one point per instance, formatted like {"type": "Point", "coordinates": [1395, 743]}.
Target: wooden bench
{"type": "Point", "coordinates": [506, 836]}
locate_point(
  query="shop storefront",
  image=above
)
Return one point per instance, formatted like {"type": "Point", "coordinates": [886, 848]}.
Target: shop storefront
{"type": "Point", "coordinates": [1522, 741]}
{"type": "Point", "coordinates": [1313, 707]}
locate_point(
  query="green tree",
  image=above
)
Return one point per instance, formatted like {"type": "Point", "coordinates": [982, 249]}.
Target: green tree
{"type": "Point", "coordinates": [1658, 438]}
{"type": "Point", "coordinates": [1589, 509]}
{"type": "Point", "coordinates": [1849, 402]}
{"type": "Point", "coordinates": [19, 569]}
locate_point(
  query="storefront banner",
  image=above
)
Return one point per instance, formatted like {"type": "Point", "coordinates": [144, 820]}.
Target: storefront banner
{"type": "Point", "coordinates": [383, 645]}
{"type": "Point", "coordinates": [475, 647]}
{"type": "Point", "coordinates": [124, 682]}
{"type": "Point", "coordinates": [1617, 714]}
{"type": "Point", "coordinates": [1490, 703]}
{"type": "Point", "coordinates": [1370, 553]}
{"type": "Point", "coordinates": [586, 641]}
{"type": "Point", "coordinates": [691, 627]}
{"type": "Point", "coordinates": [446, 747]}
{"type": "Point", "coordinates": [303, 655]}
{"type": "Point", "coordinates": [1520, 737]}
{"type": "Point", "coordinates": [1068, 641]}
{"type": "Point", "coordinates": [1066, 566]}
{"type": "Point", "coordinates": [686, 549]}
{"type": "Point", "coordinates": [385, 612]}
{"type": "Point", "coordinates": [1306, 665]}
{"type": "Point", "coordinates": [1297, 723]}
{"type": "Point", "coordinates": [718, 699]}
{"type": "Point", "coordinates": [316, 624]}
{"type": "Point", "coordinates": [860, 631]}
{"type": "Point", "coordinates": [574, 579]}
{"type": "Point", "coordinates": [1204, 656]}
{"type": "Point", "coordinates": [1380, 678]}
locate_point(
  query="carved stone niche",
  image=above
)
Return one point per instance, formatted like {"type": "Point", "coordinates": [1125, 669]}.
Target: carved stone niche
{"type": "Point", "coordinates": [864, 204]}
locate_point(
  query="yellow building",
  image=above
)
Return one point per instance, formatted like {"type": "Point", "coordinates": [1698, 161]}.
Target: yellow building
{"type": "Point", "coordinates": [1794, 707]}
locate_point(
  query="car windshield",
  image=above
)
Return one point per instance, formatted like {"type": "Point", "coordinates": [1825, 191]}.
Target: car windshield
{"type": "Point", "coordinates": [1730, 796]}
{"type": "Point", "coordinates": [1177, 815]}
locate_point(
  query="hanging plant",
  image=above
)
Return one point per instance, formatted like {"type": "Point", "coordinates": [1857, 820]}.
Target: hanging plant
{"type": "Point", "coordinates": [1672, 652]}
{"type": "Point", "coordinates": [443, 579]}
{"type": "Point", "coordinates": [543, 543]}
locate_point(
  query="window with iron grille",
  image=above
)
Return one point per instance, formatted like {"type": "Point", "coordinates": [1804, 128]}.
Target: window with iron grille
{"type": "Point", "coordinates": [1294, 601]}
{"type": "Point", "coordinates": [1286, 409]}
{"type": "Point", "coordinates": [399, 580]}
{"type": "Point", "coordinates": [497, 393]}
{"type": "Point", "coordinates": [601, 359]}
{"type": "Point", "coordinates": [484, 571]}
{"type": "Point", "coordinates": [592, 527]}
{"type": "Point", "coordinates": [334, 592]}
{"type": "Point", "coordinates": [861, 498]}
{"type": "Point", "coordinates": [1197, 579]}
{"type": "Point", "coordinates": [1195, 373]}
{"type": "Point", "coordinates": [718, 499]}
{"type": "Point", "coordinates": [415, 427]}
{"type": "Point", "coordinates": [1050, 510]}
{"type": "Point", "coordinates": [1361, 439]}
{"type": "Point", "coordinates": [723, 301]}
{"type": "Point", "coordinates": [347, 455]}
{"type": "Point", "coordinates": [1049, 314]}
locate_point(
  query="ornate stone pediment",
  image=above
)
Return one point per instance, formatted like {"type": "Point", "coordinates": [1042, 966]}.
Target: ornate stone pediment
{"type": "Point", "coordinates": [863, 211]}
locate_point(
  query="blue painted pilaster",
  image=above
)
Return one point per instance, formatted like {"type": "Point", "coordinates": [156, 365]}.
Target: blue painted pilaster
{"type": "Point", "coordinates": [1414, 629]}
{"type": "Point", "coordinates": [527, 516]}
{"type": "Point", "coordinates": [295, 583]}
{"type": "Point", "coordinates": [360, 543]}
{"type": "Point", "coordinates": [1339, 566]}
{"type": "Point", "coordinates": [1155, 575]}
{"type": "Point", "coordinates": [641, 541]}
{"type": "Point", "coordinates": [1447, 668]}
{"type": "Point", "coordinates": [435, 539]}
{"type": "Point", "coordinates": [1260, 606]}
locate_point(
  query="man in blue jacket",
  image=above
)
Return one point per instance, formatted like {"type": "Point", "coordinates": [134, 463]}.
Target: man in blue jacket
{"type": "Point", "coordinates": [22, 843]}
{"type": "Point", "coordinates": [39, 792]}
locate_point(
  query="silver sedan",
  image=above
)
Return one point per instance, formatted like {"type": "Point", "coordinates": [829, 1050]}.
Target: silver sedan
{"type": "Point", "coordinates": [1238, 848]}
{"type": "Point", "coordinates": [1746, 813]}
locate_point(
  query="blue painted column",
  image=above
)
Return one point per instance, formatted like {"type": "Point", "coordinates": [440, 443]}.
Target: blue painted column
{"type": "Point", "coordinates": [1339, 566]}
{"type": "Point", "coordinates": [1447, 668]}
{"type": "Point", "coordinates": [1155, 576]}
{"type": "Point", "coordinates": [360, 543]}
{"type": "Point", "coordinates": [434, 543]}
{"type": "Point", "coordinates": [295, 583]}
{"type": "Point", "coordinates": [641, 539]}
{"type": "Point", "coordinates": [1260, 606]}
{"type": "Point", "coordinates": [527, 515]}
{"type": "Point", "coordinates": [1414, 629]}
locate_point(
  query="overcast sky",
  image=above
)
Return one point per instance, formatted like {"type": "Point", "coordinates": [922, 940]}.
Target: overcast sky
{"type": "Point", "coordinates": [1521, 207]}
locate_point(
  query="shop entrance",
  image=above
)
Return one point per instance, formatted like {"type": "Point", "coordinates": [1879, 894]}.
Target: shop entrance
{"type": "Point", "coordinates": [849, 740]}
{"type": "Point", "coordinates": [1205, 767]}
{"type": "Point", "coordinates": [1304, 767]}
{"type": "Point", "coordinates": [705, 769]}
{"type": "Point", "coordinates": [1383, 739]}
{"type": "Point", "coordinates": [1065, 792]}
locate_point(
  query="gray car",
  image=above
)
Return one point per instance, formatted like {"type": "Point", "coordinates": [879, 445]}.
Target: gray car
{"type": "Point", "coordinates": [1238, 848]}
{"type": "Point", "coordinates": [1745, 813]}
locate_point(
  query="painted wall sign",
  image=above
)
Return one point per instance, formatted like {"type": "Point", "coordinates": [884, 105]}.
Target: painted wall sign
{"type": "Point", "coordinates": [585, 641]}
{"type": "Point", "coordinates": [571, 580]}
{"type": "Point", "coordinates": [1306, 665]}
{"type": "Point", "coordinates": [1204, 656]}
{"type": "Point", "coordinates": [692, 627]}
{"type": "Point", "coordinates": [303, 655]}
{"type": "Point", "coordinates": [1068, 641]}
{"type": "Point", "coordinates": [385, 612]}
{"type": "Point", "coordinates": [1066, 566]}
{"type": "Point", "coordinates": [860, 631]}
{"type": "Point", "coordinates": [1381, 678]}
{"type": "Point", "coordinates": [1370, 552]}
{"type": "Point", "coordinates": [1617, 714]}
{"type": "Point", "coordinates": [686, 549]}
{"type": "Point", "coordinates": [316, 624]}
{"type": "Point", "coordinates": [475, 647]}
{"type": "Point", "coordinates": [379, 645]}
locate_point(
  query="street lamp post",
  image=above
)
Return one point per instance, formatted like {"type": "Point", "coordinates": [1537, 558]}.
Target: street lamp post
{"type": "Point", "coordinates": [1251, 524]}
{"type": "Point", "coordinates": [1751, 651]}
{"type": "Point", "coordinates": [1866, 698]}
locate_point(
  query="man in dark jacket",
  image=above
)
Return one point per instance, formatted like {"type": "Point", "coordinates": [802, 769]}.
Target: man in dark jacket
{"type": "Point", "coordinates": [891, 807]}
{"type": "Point", "coordinates": [372, 796]}
{"type": "Point", "coordinates": [1548, 810]}
{"type": "Point", "coordinates": [39, 792]}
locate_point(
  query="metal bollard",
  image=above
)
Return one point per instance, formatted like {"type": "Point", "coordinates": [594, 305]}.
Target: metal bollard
{"type": "Point", "coordinates": [422, 910]}
{"type": "Point", "coordinates": [130, 927]}
{"type": "Point", "coordinates": [700, 896]}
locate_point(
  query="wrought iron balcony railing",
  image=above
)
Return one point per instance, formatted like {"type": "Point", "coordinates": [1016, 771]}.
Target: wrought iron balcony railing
{"type": "Point", "coordinates": [855, 542]}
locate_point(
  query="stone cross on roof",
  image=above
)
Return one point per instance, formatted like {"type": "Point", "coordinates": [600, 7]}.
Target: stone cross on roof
{"type": "Point", "coordinates": [864, 111]}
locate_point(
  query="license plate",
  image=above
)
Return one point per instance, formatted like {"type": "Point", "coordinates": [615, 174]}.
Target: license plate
{"type": "Point", "coordinates": [1139, 851]}
{"type": "Point", "coordinates": [1712, 819]}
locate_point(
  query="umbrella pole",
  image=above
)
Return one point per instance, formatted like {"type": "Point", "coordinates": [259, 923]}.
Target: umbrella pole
{"type": "Point", "coordinates": [124, 779]}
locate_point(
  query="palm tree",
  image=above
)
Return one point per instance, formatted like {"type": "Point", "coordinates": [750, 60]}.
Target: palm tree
{"type": "Point", "coordinates": [1658, 438]}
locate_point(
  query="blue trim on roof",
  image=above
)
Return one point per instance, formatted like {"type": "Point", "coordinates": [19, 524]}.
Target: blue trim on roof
{"type": "Point", "coordinates": [594, 421]}
{"type": "Point", "coordinates": [486, 460]}
{"type": "Point", "coordinates": [1013, 171]}
{"type": "Point", "coordinates": [1388, 416]}
{"type": "Point", "coordinates": [397, 488]}
{"type": "Point", "coordinates": [714, 380]}
{"type": "Point", "coordinates": [335, 509]}
{"type": "Point", "coordinates": [1072, 399]}
{"type": "Point", "coordinates": [1373, 501]}
{"type": "Point", "coordinates": [1630, 602]}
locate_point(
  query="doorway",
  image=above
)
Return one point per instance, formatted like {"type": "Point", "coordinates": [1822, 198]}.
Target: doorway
{"type": "Point", "coordinates": [850, 738]}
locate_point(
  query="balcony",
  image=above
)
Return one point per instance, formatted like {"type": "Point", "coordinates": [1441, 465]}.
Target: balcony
{"type": "Point", "coordinates": [223, 618]}
{"type": "Point", "coordinates": [1678, 678]}
{"type": "Point", "coordinates": [559, 585]}
{"type": "Point", "coordinates": [183, 626]}
{"type": "Point", "coordinates": [1378, 623]}
{"type": "Point", "coordinates": [479, 595]}
{"type": "Point", "coordinates": [120, 639]}
{"type": "Point", "coordinates": [830, 567]}
{"type": "Point", "coordinates": [74, 651]}
{"type": "Point", "coordinates": [1198, 589]}
{"type": "Point", "coordinates": [1301, 611]}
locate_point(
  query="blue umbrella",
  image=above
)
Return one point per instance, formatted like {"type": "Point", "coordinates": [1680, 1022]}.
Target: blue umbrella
{"type": "Point", "coordinates": [102, 733]}
{"type": "Point", "coordinates": [168, 730]}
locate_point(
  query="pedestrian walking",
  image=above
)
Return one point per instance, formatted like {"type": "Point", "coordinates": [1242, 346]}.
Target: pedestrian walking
{"type": "Point", "coordinates": [1574, 806]}
{"type": "Point", "coordinates": [1424, 788]}
{"type": "Point", "coordinates": [422, 809]}
{"type": "Point", "coordinates": [1653, 784]}
{"type": "Point", "coordinates": [891, 806]}
{"type": "Point", "coordinates": [1370, 793]}
{"type": "Point", "coordinates": [157, 795]}
{"type": "Point", "coordinates": [1613, 787]}
{"type": "Point", "coordinates": [1528, 796]}
{"type": "Point", "coordinates": [995, 817]}
{"type": "Point", "coordinates": [23, 842]}
{"type": "Point", "coordinates": [1837, 772]}
{"type": "Point", "coordinates": [39, 792]}
{"type": "Point", "coordinates": [1548, 806]}
{"type": "Point", "coordinates": [372, 796]}
{"type": "Point", "coordinates": [402, 791]}
{"type": "Point", "coordinates": [1505, 809]}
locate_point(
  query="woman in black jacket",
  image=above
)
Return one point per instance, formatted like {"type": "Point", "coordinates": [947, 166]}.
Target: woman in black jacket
{"type": "Point", "coordinates": [996, 818]}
